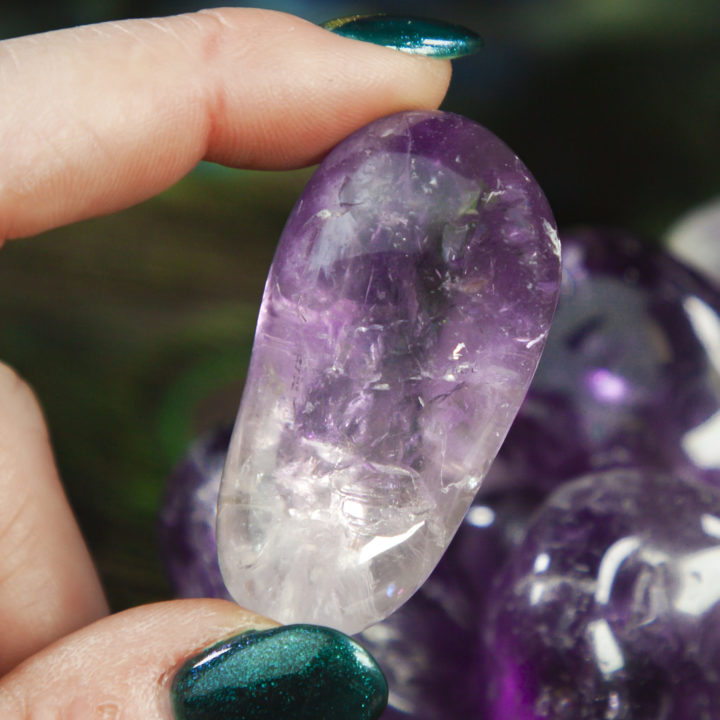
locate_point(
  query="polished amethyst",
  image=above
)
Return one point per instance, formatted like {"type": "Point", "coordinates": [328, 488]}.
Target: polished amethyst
{"type": "Point", "coordinates": [630, 373]}
{"type": "Point", "coordinates": [402, 320]}
{"type": "Point", "coordinates": [610, 608]}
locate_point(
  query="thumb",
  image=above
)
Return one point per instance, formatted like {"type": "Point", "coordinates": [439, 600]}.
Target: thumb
{"type": "Point", "coordinates": [196, 660]}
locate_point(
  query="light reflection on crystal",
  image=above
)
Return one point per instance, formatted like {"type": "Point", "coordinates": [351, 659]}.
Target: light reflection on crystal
{"type": "Point", "coordinates": [702, 443]}
{"type": "Point", "coordinates": [608, 655]}
{"type": "Point", "coordinates": [710, 525]}
{"type": "Point", "coordinates": [611, 561]}
{"type": "Point", "coordinates": [480, 516]}
{"type": "Point", "coordinates": [379, 545]}
{"type": "Point", "coordinates": [536, 592]}
{"type": "Point", "coordinates": [695, 239]}
{"type": "Point", "coordinates": [606, 386]}
{"type": "Point", "coordinates": [698, 588]}
{"type": "Point", "coordinates": [542, 563]}
{"type": "Point", "coordinates": [706, 323]}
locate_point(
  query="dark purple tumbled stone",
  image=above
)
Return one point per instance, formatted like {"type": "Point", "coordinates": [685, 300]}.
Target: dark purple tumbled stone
{"type": "Point", "coordinates": [629, 374]}
{"type": "Point", "coordinates": [610, 608]}
{"type": "Point", "coordinates": [186, 529]}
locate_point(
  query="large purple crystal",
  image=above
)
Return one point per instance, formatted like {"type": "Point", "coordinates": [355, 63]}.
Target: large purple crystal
{"type": "Point", "coordinates": [610, 608]}
{"type": "Point", "coordinates": [402, 320]}
{"type": "Point", "coordinates": [630, 373]}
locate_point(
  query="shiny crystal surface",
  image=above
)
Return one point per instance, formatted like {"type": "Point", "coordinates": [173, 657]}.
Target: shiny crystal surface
{"type": "Point", "coordinates": [631, 370]}
{"type": "Point", "coordinates": [402, 320]}
{"type": "Point", "coordinates": [610, 608]}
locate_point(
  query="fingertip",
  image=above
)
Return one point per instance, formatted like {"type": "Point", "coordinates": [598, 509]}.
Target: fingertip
{"type": "Point", "coordinates": [304, 89]}
{"type": "Point", "coordinates": [439, 74]}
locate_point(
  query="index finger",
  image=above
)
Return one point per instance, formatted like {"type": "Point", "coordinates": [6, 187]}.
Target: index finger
{"type": "Point", "coordinates": [103, 116]}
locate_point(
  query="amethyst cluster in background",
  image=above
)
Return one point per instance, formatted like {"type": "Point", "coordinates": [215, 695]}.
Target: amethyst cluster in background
{"type": "Point", "coordinates": [595, 598]}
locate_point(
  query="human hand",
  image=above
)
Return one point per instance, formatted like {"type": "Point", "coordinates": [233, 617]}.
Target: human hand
{"type": "Point", "coordinates": [96, 119]}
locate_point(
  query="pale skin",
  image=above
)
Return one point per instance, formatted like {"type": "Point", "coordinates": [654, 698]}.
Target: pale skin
{"type": "Point", "coordinates": [93, 120]}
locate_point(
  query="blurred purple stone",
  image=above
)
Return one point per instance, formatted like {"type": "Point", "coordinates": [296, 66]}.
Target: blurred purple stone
{"type": "Point", "coordinates": [187, 519]}
{"type": "Point", "coordinates": [629, 374]}
{"type": "Point", "coordinates": [610, 608]}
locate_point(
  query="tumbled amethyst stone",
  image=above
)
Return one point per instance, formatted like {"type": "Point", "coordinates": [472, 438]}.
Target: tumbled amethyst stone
{"type": "Point", "coordinates": [610, 608]}
{"type": "Point", "coordinates": [630, 370]}
{"type": "Point", "coordinates": [402, 320]}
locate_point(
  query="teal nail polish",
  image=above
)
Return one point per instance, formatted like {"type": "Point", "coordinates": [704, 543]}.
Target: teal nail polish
{"type": "Point", "coordinates": [298, 672]}
{"type": "Point", "coordinates": [413, 35]}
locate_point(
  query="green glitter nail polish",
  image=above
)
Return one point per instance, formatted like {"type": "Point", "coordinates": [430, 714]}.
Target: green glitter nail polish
{"type": "Point", "coordinates": [419, 36]}
{"type": "Point", "coordinates": [303, 672]}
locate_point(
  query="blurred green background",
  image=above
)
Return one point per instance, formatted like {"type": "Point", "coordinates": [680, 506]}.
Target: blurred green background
{"type": "Point", "coordinates": [136, 329]}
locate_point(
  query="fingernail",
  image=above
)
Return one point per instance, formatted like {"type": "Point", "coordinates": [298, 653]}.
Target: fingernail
{"type": "Point", "coordinates": [419, 36]}
{"type": "Point", "coordinates": [296, 671]}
